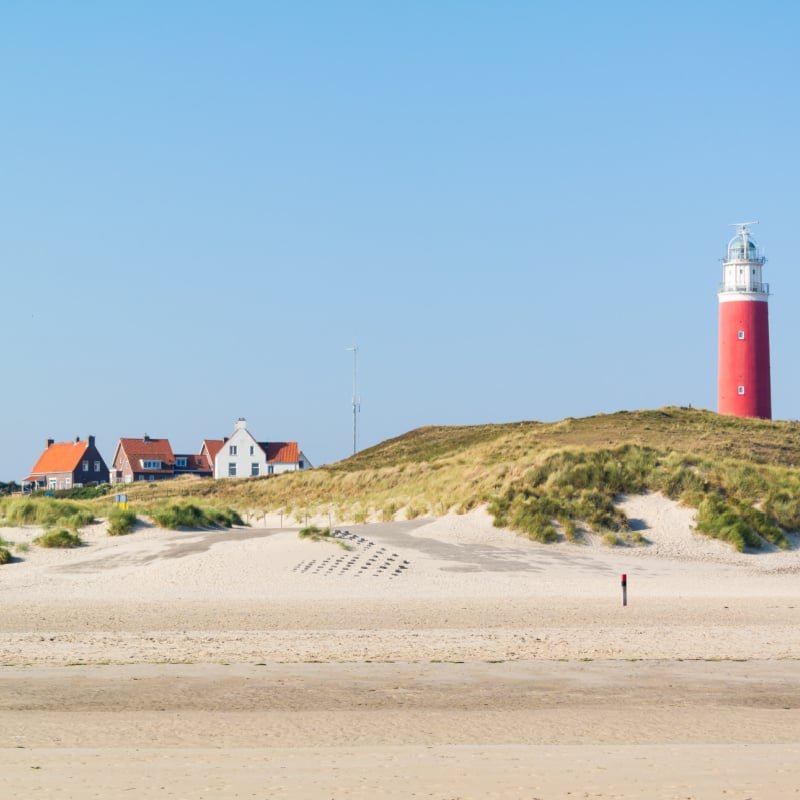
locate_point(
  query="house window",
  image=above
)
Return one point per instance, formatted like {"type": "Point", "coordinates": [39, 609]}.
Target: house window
{"type": "Point", "coordinates": [252, 449]}
{"type": "Point", "coordinates": [741, 335]}
{"type": "Point", "coordinates": [254, 467]}
{"type": "Point", "coordinates": [300, 464]}
{"type": "Point", "coordinates": [180, 462]}
{"type": "Point", "coordinates": [232, 450]}
{"type": "Point", "coordinates": [151, 464]}
{"type": "Point", "coordinates": [85, 466]}
{"type": "Point", "coordinates": [67, 483]}
{"type": "Point", "coordinates": [52, 483]}
{"type": "Point", "coordinates": [270, 470]}
{"type": "Point", "coordinates": [232, 469]}
{"type": "Point", "coordinates": [151, 477]}
{"type": "Point", "coordinates": [741, 389]}
{"type": "Point", "coordinates": [97, 466]}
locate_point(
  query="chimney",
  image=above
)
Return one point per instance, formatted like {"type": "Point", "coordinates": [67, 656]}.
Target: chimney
{"type": "Point", "coordinates": [146, 438]}
{"type": "Point", "coordinates": [77, 439]}
{"type": "Point", "coordinates": [50, 441]}
{"type": "Point", "coordinates": [90, 439]}
{"type": "Point", "coordinates": [241, 424]}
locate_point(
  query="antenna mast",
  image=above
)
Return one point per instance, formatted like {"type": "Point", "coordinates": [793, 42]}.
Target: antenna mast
{"type": "Point", "coordinates": [356, 398]}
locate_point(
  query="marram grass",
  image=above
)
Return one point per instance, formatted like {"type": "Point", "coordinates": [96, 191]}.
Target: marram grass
{"type": "Point", "coordinates": [546, 480]}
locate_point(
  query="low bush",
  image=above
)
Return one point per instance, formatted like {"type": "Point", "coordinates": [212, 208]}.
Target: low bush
{"type": "Point", "coordinates": [5, 555]}
{"type": "Point", "coordinates": [59, 538]}
{"type": "Point", "coordinates": [188, 515]}
{"type": "Point", "coordinates": [120, 521]}
{"type": "Point", "coordinates": [610, 539]}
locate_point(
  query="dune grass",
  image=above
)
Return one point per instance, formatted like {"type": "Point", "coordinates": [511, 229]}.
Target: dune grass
{"type": "Point", "coordinates": [120, 521]}
{"type": "Point", "coordinates": [577, 487]}
{"type": "Point", "coordinates": [313, 533]}
{"type": "Point", "coordinates": [47, 512]}
{"type": "Point", "coordinates": [5, 555]}
{"type": "Point", "coordinates": [189, 515]}
{"type": "Point", "coordinates": [742, 475]}
{"type": "Point", "coordinates": [60, 537]}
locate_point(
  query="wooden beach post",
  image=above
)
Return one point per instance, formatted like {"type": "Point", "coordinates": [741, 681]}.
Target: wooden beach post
{"type": "Point", "coordinates": [624, 589]}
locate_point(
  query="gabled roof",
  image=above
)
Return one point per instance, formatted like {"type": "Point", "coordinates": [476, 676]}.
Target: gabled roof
{"type": "Point", "coordinates": [213, 446]}
{"type": "Point", "coordinates": [281, 452]}
{"type": "Point", "coordinates": [137, 450]}
{"type": "Point", "coordinates": [59, 457]}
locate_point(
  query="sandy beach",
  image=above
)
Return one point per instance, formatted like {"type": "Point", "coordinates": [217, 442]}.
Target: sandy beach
{"type": "Point", "coordinates": [435, 658]}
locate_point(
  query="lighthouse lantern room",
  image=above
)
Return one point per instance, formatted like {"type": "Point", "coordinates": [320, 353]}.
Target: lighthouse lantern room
{"type": "Point", "coordinates": [744, 378]}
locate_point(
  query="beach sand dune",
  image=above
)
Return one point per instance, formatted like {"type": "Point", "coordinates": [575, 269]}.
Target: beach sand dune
{"type": "Point", "coordinates": [438, 658]}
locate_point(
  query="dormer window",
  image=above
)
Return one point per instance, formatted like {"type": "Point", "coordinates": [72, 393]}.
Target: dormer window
{"type": "Point", "coordinates": [151, 465]}
{"type": "Point", "coordinates": [180, 461]}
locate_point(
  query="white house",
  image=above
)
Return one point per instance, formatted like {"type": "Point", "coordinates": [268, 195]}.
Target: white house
{"type": "Point", "coordinates": [241, 456]}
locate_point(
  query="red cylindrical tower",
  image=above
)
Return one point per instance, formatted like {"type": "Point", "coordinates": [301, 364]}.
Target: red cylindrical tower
{"type": "Point", "coordinates": [744, 381]}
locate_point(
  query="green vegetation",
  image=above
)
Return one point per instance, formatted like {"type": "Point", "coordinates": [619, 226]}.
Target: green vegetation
{"type": "Point", "coordinates": [22, 547]}
{"type": "Point", "coordinates": [188, 515]}
{"type": "Point", "coordinates": [120, 521]}
{"type": "Point", "coordinates": [316, 534]}
{"type": "Point", "coordinates": [5, 555]}
{"type": "Point", "coordinates": [546, 480]}
{"type": "Point", "coordinates": [581, 487]}
{"type": "Point", "coordinates": [60, 537]}
{"type": "Point", "coordinates": [45, 511]}
{"type": "Point", "coordinates": [82, 492]}
{"type": "Point", "coordinates": [8, 488]}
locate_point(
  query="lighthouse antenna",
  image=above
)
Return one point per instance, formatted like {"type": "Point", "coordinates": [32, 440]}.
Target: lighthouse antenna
{"type": "Point", "coordinates": [741, 227]}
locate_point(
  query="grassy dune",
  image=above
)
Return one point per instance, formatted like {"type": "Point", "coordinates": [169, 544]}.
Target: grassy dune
{"type": "Point", "coordinates": [741, 474]}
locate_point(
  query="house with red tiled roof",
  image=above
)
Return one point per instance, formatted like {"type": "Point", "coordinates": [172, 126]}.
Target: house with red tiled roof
{"type": "Point", "coordinates": [242, 456]}
{"type": "Point", "coordinates": [145, 459]}
{"type": "Point", "coordinates": [150, 459]}
{"type": "Point", "coordinates": [68, 465]}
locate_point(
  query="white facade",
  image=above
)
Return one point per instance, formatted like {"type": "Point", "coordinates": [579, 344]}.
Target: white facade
{"type": "Point", "coordinates": [241, 456]}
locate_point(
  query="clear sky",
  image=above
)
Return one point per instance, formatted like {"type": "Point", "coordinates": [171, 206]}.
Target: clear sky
{"type": "Point", "coordinates": [516, 208]}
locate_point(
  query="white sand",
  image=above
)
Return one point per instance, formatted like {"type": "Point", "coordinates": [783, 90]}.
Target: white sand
{"type": "Point", "coordinates": [687, 692]}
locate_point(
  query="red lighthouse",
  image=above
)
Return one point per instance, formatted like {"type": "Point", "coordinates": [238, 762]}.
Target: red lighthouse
{"type": "Point", "coordinates": [744, 388]}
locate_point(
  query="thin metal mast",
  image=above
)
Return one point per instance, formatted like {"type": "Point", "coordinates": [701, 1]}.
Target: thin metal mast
{"type": "Point", "coordinates": [356, 398]}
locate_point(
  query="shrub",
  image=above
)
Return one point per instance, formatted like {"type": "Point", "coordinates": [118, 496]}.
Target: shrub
{"type": "Point", "coordinates": [610, 539]}
{"type": "Point", "coordinates": [59, 538]}
{"type": "Point", "coordinates": [120, 521]}
{"type": "Point", "coordinates": [5, 555]}
{"type": "Point", "coordinates": [188, 515]}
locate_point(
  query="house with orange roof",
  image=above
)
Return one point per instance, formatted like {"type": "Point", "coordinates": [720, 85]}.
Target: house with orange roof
{"type": "Point", "coordinates": [242, 456]}
{"type": "Point", "coordinates": [68, 465]}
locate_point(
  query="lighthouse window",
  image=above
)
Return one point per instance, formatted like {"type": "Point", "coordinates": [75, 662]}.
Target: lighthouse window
{"type": "Point", "coordinates": [741, 390]}
{"type": "Point", "coordinates": [741, 335]}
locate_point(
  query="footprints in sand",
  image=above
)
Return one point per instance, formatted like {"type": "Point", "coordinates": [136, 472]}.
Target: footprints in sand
{"type": "Point", "coordinates": [364, 558]}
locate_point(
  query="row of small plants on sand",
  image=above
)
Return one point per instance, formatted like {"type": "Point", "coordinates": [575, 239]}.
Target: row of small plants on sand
{"type": "Point", "coordinates": [62, 520]}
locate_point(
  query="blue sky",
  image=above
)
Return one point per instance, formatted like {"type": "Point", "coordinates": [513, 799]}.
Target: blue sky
{"type": "Point", "coordinates": [516, 208]}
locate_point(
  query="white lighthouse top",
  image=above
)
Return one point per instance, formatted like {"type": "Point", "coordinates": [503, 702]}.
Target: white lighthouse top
{"type": "Point", "coordinates": [741, 268]}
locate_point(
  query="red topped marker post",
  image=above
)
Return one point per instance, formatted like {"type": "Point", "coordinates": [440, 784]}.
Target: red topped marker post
{"type": "Point", "coordinates": [744, 374]}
